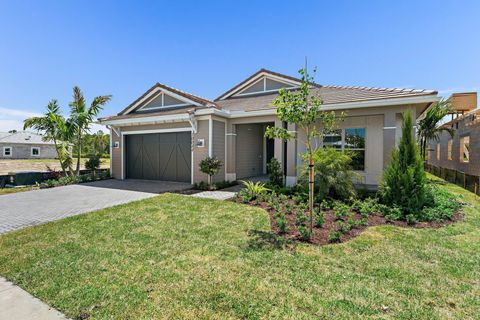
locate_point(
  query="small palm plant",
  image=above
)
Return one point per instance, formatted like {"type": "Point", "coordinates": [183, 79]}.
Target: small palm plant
{"type": "Point", "coordinates": [429, 127]}
{"type": "Point", "coordinates": [254, 189]}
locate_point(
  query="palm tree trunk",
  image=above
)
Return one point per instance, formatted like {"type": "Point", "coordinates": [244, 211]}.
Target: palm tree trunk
{"type": "Point", "coordinates": [59, 157]}
{"type": "Point", "coordinates": [79, 152]}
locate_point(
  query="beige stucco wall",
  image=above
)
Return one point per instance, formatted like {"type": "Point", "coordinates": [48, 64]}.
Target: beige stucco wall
{"type": "Point", "coordinates": [382, 124]}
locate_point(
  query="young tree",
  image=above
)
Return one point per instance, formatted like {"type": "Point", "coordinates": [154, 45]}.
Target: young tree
{"type": "Point", "coordinates": [303, 108]}
{"type": "Point", "coordinates": [404, 179]}
{"type": "Point", "coordinates": [429, 128]}
{"type": "Point", "coordinates": [210, 166]}
{"type": "Point", "coordinates": [55, 128]}
{"type": "Point", "coordinates": [82, 117]}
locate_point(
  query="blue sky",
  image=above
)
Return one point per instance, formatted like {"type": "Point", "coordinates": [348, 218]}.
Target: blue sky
{"type": "Point", "coordinates": [205, 47]}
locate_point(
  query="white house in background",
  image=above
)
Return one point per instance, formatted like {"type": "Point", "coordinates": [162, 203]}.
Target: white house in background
{"type": "Point", "coordinates": [25, 145]}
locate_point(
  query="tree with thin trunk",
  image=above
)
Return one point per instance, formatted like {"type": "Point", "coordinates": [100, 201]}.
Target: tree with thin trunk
{"type": "Point", "coordinates": [303, 107]}
{"type": "Point", "coordinates": [429, 127]}
{"type": "Point", "coordinates": [55, 128]}
{"type": "Point", "coordinates": [82, 117]}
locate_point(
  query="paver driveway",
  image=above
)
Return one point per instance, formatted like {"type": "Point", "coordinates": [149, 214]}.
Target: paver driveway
{"type": "Point", "coordinates": [23, 209]}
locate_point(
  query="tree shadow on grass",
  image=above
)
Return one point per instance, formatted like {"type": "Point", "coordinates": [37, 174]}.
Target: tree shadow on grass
{"type": "Point", "coordinates": [267, 240]}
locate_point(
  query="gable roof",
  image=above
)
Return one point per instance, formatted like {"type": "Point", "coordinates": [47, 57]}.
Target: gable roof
{"type": "Point", "coordinates": [257, 75]}
{"type": "Point", "coordinates": [23, 137]}
{"type": "Point", "coordinates": [150, 95]}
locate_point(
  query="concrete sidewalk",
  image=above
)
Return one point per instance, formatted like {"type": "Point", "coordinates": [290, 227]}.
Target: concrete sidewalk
{"type": "Point", "coordinates": [16, 303]}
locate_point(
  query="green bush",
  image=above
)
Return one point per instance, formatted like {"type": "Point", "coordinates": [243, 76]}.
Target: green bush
{"type": "Point", "coordinates": [275, 173]}
{"type": "Point", "coordinates": [282, 222]}
{"type": "Point", "coordinates": [93, 163]}
{"type": "Point", "coordinates": [305, 234]}
{"type": "Point", "coordinates": [341, 210]}
{"type": "Point", "coordinates": [334, 236]}
{"type": "Point", "coordinates": [254, 189]}
{"type": "Point", "coordinates": [333, 175]}
{"type": "Point", "coordinates": [319, 219]}
{"type": "Point", "coordinates": [404, 179]}
{"type": "Point", "coordinates": [441, 205]}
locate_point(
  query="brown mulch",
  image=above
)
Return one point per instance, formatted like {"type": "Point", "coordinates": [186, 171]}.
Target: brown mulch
{"type": "Point", "coordinates": [320, 235]}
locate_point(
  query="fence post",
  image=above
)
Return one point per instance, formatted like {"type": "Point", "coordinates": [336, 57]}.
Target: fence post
{"type": "Point", "coordinates": [464, 181]}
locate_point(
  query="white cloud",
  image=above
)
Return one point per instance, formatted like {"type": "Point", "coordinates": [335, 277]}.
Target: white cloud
{"type": "Point", "coordinates": [12, 119]}
{"type": "Point", "coordinates": [17, 114]}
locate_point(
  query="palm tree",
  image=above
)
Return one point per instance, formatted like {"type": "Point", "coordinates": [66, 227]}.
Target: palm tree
{"type": "Point", "coordinates": [100, 142]}
{"type": "Point", "coordinates": [82, 117]}
{"type": "Point", "coordinates": [429, 127]}
{"type": "Point", "coordinates": [55, 128]}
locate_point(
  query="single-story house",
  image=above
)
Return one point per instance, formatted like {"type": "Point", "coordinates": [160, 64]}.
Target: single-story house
{"type": "Point", "coordinates": [25, 145]}
{"type": "Point", "coordinates": [165, 133]}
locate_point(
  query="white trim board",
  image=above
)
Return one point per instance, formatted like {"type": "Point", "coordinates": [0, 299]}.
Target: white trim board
{"type": "Point", "coordinates": [156, 131]}
{"type": "Point", "coordinates": [162, 90]}
{"type": "Point", "coordinates": [255, 79]}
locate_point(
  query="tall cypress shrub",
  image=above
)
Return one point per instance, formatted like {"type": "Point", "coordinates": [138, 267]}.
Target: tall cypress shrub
{"type": "Point", "coordinates": [404, 179]}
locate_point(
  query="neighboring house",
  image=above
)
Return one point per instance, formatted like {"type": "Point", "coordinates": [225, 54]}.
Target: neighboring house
{"type": "Point", "coordinates": [462, 151]}
{"type": "Point", "coordinates": [165, 133]}
{"type": "Point", "coordinates": [25, 145]}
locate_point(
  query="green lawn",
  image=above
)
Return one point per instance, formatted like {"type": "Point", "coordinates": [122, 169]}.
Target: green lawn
{"type": "Point", "coordinates": [180, 257]}
{"type": "Point", "coordinates": [14, 190]}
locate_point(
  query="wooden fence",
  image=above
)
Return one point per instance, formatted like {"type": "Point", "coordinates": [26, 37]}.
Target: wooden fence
{"type": "Point", "coordinates": [462, 179]}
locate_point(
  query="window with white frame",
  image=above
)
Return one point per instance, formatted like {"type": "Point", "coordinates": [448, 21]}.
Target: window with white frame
{"type": "Point", "coordinates": [35, 151]}
{"type": "Point", "coordinates": [265, 84]}
{"type": "Point", "coordinates": [351, 140]}
{"type": "Point", "coordinates": [7, 151]}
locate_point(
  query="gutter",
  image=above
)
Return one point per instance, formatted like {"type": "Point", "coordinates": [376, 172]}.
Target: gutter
{"type": "Point", "coordinates": [187, 117]}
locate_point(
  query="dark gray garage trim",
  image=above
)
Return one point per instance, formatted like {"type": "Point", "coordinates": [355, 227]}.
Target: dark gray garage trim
{"type": "Point", "coordinates": [163, 154]}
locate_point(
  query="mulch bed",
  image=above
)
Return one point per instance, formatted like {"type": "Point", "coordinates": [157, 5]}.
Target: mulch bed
{"type": "Point", "coordinates": [320, 235]}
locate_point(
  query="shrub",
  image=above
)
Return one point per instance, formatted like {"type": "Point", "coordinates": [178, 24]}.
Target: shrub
{"type": "Point", "coordinates": [275, 173]}
{"type": "Point", "coordinates": [301, 219]}
{"type": "Point", "coordinates": [403, 183]}
{"type": "Point", "coordinates": [341, 210]}
{"type": "Point", "coordinates": [50, 183]}
{"type": "Point", "coordinates": [244, 196]}
{"type": "Point", "coordinates": [334, 236]}
{"type": "Point", "coordinates": [93, 163]}
{"type": "Point", "coordinates": [282, 222]}
{"type": "Point", "coordinates": [305, 234]}
{"type": "Point", "coordinates": [254, 189]}
{"type": "Point", "coordinates": [333, 175]}
{"type": "Point", "coordinates": [210, 166]}
{"type": "Point", "coordinates": [441, 205]}
{"type": "Point", "coordinates": [319, 219]}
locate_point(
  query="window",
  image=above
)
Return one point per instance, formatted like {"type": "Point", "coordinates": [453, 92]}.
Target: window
{"type": "Point", "coordinates": [465, 149]}
{"type": "Point", "coordinates": [355, 143]}
{"type": "Point", "coordinates": [7, 151]}
{"type": "Point", "coordinates": [351, 140]}
{"type": "Point", "coordinates": [35, 152]}
{"type": "Point", "coordinates": [449, 148]}
{"type": "Point", "coordinates": [438, 151]}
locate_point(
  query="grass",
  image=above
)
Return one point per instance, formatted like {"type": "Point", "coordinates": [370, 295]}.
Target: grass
{"type": "Point", "coordinates": [14, 190]}
{"type": "Point", "coordinates": [174, 256]}
{"type": "Point", "coordinates": [12, 165]}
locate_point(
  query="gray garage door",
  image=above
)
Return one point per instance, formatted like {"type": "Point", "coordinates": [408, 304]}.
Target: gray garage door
{"type": "Point", "coordinates": [159, 156]}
